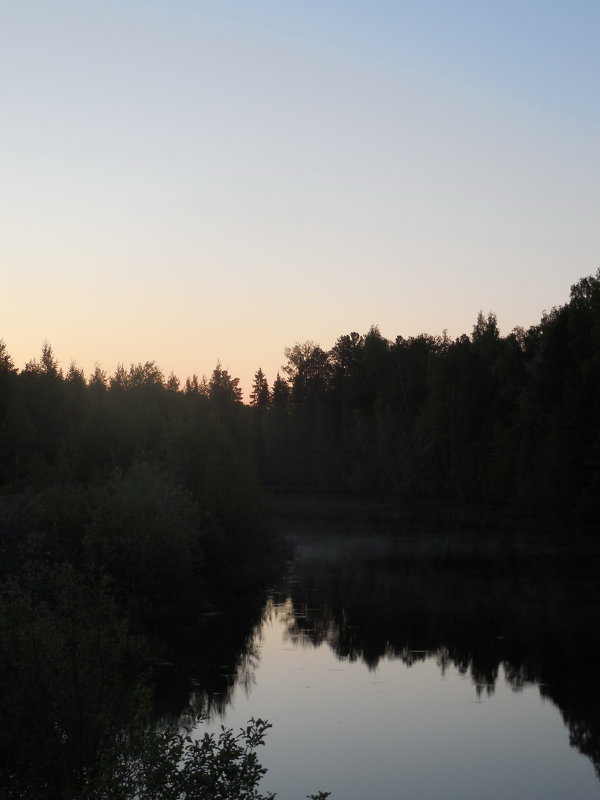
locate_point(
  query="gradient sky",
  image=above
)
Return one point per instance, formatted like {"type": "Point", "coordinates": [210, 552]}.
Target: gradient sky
{"type": "Point", "coordinates": [184, 181]}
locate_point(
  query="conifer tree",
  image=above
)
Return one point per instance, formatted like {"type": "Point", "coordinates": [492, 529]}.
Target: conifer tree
{"type": "Point", "coordinates": [280, 393]}
{"type": "Point", "coordinates": [260, 394]}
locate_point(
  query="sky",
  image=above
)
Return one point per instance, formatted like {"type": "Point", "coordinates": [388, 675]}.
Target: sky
{"type": "Point", "coordinates": [191, 182]}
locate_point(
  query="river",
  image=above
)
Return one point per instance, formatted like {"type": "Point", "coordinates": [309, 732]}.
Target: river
{"type": "Point", "coordinates": [396, 659]}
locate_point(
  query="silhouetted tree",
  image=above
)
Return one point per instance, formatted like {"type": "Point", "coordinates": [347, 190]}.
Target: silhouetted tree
{"type": "Point", "coordinates": [260, 394]}
{"type": "Point", "coordinates": [47, 365]}
{"type": "Point", "coordinates": [8, 374]}
{"type": "Point", "coordinates": [147, 374]}
{"type": "Point", "coordinates": [172, 383]}
{"type": "Point", "coordinates": [194, 386]}
{"type": "Point", "coordinates": [308, 370]}
{"type": "Point", "coordinates": [98, 380]}
{"type": "Point", "coordinates": [75, 376]}
{"type": "Point", "coordinates": [120, 379]}
{"type": "Point", "coordinates": [6, 362]}
{"type": "Point", "coordinates": [280, 392]}
{"type": "Point", "coordinates": [222, 388]}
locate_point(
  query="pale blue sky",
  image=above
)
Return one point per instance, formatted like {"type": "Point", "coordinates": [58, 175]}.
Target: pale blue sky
{"type": "Point", "coordinates": [187, 181]}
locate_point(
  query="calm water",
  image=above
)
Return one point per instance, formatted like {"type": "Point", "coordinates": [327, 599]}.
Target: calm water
{"type": "Point", "coordinates": [396, 662]}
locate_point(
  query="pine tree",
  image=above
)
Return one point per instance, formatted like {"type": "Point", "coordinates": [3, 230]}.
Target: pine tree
{"type": "Point", "coordinates": [260, 394]}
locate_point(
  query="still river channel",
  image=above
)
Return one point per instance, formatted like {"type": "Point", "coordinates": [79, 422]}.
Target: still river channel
{"type": "Point", "coordinates": [398, 660]}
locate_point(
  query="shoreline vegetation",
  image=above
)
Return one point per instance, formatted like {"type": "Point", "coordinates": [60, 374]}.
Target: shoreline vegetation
{"type": "Point", "coordinates": [132, 505]}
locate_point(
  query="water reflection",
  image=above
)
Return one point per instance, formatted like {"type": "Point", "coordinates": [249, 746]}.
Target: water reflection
{"type": "Point", "coordinates": [488, 608]}
{"type": "Point", "coordinates": [221, 656]}
{"type": "Point", "coordinates": [533, 611]}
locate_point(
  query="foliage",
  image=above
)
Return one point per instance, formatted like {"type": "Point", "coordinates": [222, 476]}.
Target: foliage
{"type": "Point", "coordinates": [66, 665]}
{"type": "Point", "coordinates": [166, 763]}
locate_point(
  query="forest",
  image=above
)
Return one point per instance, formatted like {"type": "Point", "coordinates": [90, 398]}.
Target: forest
{"type": "Point", "coordinates": [481, 418]}
{"type": "Point", "coordinates": [131, 504]}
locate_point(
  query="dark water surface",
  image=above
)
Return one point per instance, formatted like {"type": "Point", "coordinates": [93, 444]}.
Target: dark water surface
{"type": "Point", "coordinates": [404, 660]}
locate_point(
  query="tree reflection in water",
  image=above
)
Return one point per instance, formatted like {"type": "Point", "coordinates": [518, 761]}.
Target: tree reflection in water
{"type": "Point", "coordinates": [480, 601]}
{"type": "Point", "coordinates": [486, 602]}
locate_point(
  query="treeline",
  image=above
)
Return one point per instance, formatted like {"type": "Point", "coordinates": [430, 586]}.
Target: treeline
{"type": "Point", "coordinates": [482, 418]}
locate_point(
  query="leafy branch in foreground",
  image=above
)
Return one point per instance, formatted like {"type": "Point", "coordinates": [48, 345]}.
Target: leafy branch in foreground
{"type": "Point", "coordinates": [170, 764]}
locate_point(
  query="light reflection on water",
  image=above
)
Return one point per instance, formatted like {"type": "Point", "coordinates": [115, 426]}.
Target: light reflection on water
{"type": "Point", "coordinates": [413, 726]}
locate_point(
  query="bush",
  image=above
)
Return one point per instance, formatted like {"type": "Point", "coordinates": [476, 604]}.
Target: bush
{"type": "Point", "coordinates": [170, 764]}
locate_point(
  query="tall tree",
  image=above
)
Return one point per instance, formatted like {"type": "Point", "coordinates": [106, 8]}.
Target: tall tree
{"type": "Point", "coordinates": [172, 383]}
{"type": "Point", "coordinates": [47, 365]}
{"type": "Point", "coordinates": [222, 388]}
{"type": "Point", "coordinates": [8, 375]}
{"type": "Point", "coordinates": [280, 392]}
{"type": "Point", "coordinates": [75, 375]}
{"type": "Point", "coordinates": [6, 362]}
{"type": "Point", "coordinates": [98, 380]}
{"type": "Point", "coordinates": [260, 394]}
{"type": "Point", "coordinates": [309, 372]}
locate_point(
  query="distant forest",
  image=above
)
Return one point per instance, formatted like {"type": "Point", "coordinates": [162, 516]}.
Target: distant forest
{"type": "Point", "coordinates": [482, 418]}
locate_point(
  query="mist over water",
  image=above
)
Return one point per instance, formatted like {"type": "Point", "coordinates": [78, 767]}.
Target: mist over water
{"type": "Point", "coordinates": [391, 665]}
